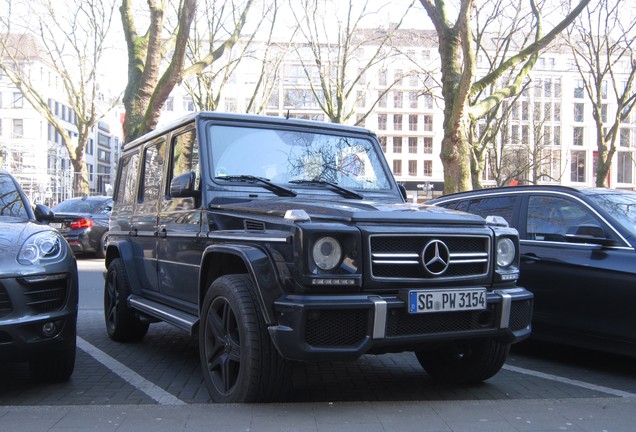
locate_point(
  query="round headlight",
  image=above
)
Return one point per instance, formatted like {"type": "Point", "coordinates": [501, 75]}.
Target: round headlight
{"type": "Point", "coordinates": [327, 253]}
{"type": "Point", "coordinates": [505, 252]}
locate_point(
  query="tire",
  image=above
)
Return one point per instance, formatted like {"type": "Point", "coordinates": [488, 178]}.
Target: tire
{"type": "Point", "coordinates": [238, 359]}
{"type": "Point", "coordinates": [57, 366]}
{"type": "Point", "coordinates": [470, 363]}
{"type": "Point", "coordinates": [122, 324]}
{"type": "Point", "coordinates": [100, 252]}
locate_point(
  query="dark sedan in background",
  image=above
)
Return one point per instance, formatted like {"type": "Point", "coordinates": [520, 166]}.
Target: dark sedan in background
{"type": "Point", "coordinates": [84, 223]}
{"type": "Point", "coordinates": [38, 288]}
{"type": "Point", "coordinates": [578, 257]}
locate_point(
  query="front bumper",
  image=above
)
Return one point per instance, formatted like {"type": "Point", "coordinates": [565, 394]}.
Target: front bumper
{"type": "Point", "coordinates": [37, 316]}
{"type": "Point", "coordinates": [328, 328]}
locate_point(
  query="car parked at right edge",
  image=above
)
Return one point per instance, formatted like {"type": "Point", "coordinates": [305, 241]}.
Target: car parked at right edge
{"type": "Point", "coordinates": [578, 257]}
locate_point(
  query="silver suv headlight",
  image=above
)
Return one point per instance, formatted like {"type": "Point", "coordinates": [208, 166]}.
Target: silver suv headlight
{"type": "Point", "coordinates": [327, 253]}
{"type": "Point", "coordinates": [506, 252]}
{"type": "Point", "coordinates": [43, 246]}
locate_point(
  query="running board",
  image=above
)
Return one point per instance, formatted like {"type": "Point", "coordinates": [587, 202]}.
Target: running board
{"type": "Point", "coordinates": [173, 316]}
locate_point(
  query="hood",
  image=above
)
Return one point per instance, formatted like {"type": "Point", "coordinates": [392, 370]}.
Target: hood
{"type": "Point", "coordinates": [353, 211]}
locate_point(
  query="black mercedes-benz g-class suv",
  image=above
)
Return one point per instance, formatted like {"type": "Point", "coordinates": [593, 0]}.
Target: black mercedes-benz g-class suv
{"type": "Point", "coordinates": [281, 240]}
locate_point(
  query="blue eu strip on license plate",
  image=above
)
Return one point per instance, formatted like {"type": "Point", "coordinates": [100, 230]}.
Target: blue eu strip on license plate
{"type": "Point", "coordinates": [425, 301]}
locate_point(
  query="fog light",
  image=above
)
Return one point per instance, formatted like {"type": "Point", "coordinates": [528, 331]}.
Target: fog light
{"type": "Point", "coordinates": [49, 329]}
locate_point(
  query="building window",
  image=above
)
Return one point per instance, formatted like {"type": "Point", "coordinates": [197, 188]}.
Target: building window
{"type": "Point", "coordinates": [428, 123]}
{"type": "Point", "coordinates": [604, 113]}
{"type": "Point", "coordinates": [398, 98]}
{"type": "Point", "coordinates": [18, 128]}
{"type": "Point", "coordinates": [625, 137]}
{"type": "Point", "coordinates": [547, 87]}
{"type": "Point", "coordinates": [557, 135]}
{"type": "Point", "coordinates": [413, 122]}
{"type": "Point", "coordinates": [624, 169]}
{"type": "Point", "coordinates": [169, 105]}
{"type": "Point", "coordinates": [524, 110]}
{"type": "Point", "coordinates": [413, 78]}
{"type": "Point", "coordinates": [397, 144]}
{"type": "Point", "coordinates": [397, 122]}
{"type": "Point", "coordinates": [428, 101]}
{"type": "Point", "coordinates": [579, 111]}
{"type": "Point", "coordinates": [577, 167]}
{"type": "Point", "coordinates": [577, 137]}
{"type": "Point", "coordinates": [428, 145]}
{"type": "Point", "coordinates": [18, 100]}
{"type": "Point", "coordinates": [578, 89]}
{"type": "Point", "coordinates": [188, 103]}
{"type": "Point", "coordinates": [89, 168]}
{"type": "Point", "coordinates": [382, 98]}
{"type": "Point", "coordinates": [413, 100]}
{"type": "Point", "coordinates": [412, 145]}
{"type": "Point", "coordinates": [382, 121]}
{"type": "Point", "coordinates": [413, 168]}
{"type": "Point", "coordinates": [89, 146]}
{"type": "Point", "coordinates": [382, 78]}
{"type": "Point", "coordinates": [399, 76]}
{"type": "Point", "coordinates": [383, 143]}
{"type": "Point", "coordinates": [428, 168]}
{"type": "Point", "coordinates": [361, 99]}
{"type": "Point", "coordinates": [397, 167]}
{"type": "Point", "coordinates": [604, 89]}
{"type": "Point", "coordinates": [103, 155]}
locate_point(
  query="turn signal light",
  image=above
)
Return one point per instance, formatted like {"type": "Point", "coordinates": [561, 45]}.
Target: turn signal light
{"type": "Point", "coordinates": [81, 223]}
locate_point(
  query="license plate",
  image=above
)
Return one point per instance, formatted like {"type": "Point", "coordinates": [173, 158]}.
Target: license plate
{"type": "Point", "coordinates": [421, 301]}
{"type": "Point", "coordinates": [56, 225]}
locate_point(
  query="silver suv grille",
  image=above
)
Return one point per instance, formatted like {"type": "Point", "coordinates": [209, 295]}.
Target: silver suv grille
{"type": "Point", "coordinates": [428, 256]}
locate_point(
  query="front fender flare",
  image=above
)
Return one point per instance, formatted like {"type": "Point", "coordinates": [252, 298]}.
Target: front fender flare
{"type": "Point", "coordinates": [259, 266]}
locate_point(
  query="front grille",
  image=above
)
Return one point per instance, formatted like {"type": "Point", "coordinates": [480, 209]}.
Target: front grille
{"type": "Point", "coordinates": [339, 327]}
{"type": "Point", "coordinates": [520, 314]}
{"type": "Point", "coordinates": [46, 295]}
{"type": "Point", "coordinates": [404, 257]}
{"type": "Point", "coordinates": [5, 302]}
{"type": "Point", "coordinates": [401, 323]}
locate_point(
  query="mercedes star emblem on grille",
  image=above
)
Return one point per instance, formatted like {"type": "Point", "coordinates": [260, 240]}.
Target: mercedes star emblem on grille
{"type": "Point", "coordinates": [435, 257]}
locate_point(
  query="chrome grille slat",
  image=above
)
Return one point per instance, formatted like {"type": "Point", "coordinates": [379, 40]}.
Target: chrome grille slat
{"type": "Point", "coordinates": [400, 256]}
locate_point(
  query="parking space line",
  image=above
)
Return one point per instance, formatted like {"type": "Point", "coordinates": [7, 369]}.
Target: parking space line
{"type": "Point", "coordinates": [583, 384]}
{"type": "Point", "coordinates": [161, 396]}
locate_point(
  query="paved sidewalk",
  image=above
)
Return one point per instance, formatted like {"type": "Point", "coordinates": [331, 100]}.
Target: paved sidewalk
{"type": "Point", "coordinates": [589, 415]}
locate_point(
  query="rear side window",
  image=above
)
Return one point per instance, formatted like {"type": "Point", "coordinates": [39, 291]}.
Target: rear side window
{"type": "Point", "coordinates": [126, 192]}
{"type": "Point", "coordinates": [153, 168]}
{"type": "Point", "coordinates": [491, 206]}
{"type": "Point", "coordinates": [185, 155]}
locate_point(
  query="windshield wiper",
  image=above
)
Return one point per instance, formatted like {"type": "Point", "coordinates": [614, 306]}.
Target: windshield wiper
{"type": "Point", "coordinates": [277, 189]}
{"type": "Point", "coordinates": [347, 193]}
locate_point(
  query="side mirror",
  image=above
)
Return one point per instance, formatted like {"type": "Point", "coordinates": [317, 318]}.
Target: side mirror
{"type": "Point", "coordinates": [183, 186]}
{"type": "Point", "coordinates": [43, 213]}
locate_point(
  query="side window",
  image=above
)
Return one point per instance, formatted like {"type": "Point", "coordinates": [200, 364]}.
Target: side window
{"type": "Point", "coordinates": [185, 155]}
{"type": "Point", "coordinates": [126, 192]}
{"type": "Point", "coordinates": [153, 168]}
{"type": "Point", "coordinates": [492, 206]}
{"type": "Point", "coordinates": [549, 218]}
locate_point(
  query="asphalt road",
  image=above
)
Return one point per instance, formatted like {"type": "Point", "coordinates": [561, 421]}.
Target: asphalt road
{"type": "Point", "coordinates": [163, 369]}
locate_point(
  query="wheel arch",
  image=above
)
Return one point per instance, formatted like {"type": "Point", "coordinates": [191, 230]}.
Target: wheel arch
{"type": "Point", "coordinates": [123, 249]}
{"type": "Point", "coordinates": [221, 260]}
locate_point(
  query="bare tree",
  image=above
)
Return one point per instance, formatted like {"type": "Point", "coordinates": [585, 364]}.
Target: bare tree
{"type": "Point", "coordinates": [71, 41]}
{"type": "Point", "coordinates": [207, 86]}
{"type": "Point", "coordinates": [332, 66]}
{"type": "Point", "coordinates": [602, 43]}
{"type": "Point", "coordinates": [460, 83]}
{"type": "Point", "coordinates": [156, 63]}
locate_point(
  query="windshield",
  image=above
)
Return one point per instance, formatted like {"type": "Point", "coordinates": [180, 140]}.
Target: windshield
{"type": "Point", "coordinates": [11, 204]}
{"type": "Point", "coordinates": [285, 157]}
{"type": "Point", "coordinates": [621, 205]}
